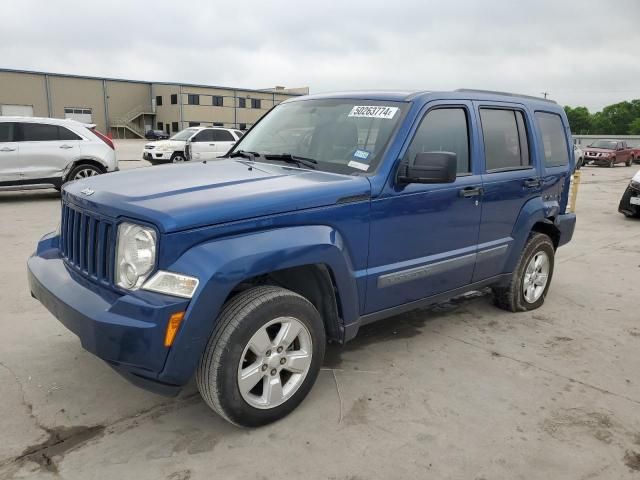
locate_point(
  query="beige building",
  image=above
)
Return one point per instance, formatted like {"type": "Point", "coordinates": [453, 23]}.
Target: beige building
{"type": "Point", "coordinates": [127, 108]}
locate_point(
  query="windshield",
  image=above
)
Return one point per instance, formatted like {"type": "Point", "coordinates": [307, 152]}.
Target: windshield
{"type": "Point", "coordinates": [184, 134]}
{"type": "Point", "coordinates": [341, 135]}
{"type": "Point", "coordinates": [609, 144]}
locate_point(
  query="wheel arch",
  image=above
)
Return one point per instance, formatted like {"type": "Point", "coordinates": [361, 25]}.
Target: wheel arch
{"type": "Point", "coordinates": [84, 161]}
{"type": "Point", "coordinates": [310, 260]}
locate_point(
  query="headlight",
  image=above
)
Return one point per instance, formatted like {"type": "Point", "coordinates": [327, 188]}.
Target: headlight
{"type": "Point", "coordinates": [172, 284]}
{"type": "Point", "coordinates": [136, 255]}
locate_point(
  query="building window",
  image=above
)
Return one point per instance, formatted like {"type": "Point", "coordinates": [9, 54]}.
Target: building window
{"type": "Point", "coordinates": [174, 99]}
{"type": "Point", "coordinates": [243, 126]}
{"type": "Point", "coordinates": [256, 103]}
{"type": "Point", "coordinates": [505, 139]}
{"type": "Point", "coordinates": [194, 124]}
{"type": "Point", "coordinates": [174, 126]}
{"type": "Point", "coordinates": [80, 114]}
{"type": "Point", "coordinates": [242, 102]}
{"type": "Point", "coordinates": [217, 100]}
{"type": "Point", "coordinates": [160, 126]}
{"type": "Point", "coordinates": [218, 124]}
{"type": "Point", "coordinates": [193, 99]}
{"type": "Point", "coordinates": [158, 100]}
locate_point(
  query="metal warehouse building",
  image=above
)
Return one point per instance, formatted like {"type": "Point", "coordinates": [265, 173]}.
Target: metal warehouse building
{"type": "Point", "coordinates": [127, 108]}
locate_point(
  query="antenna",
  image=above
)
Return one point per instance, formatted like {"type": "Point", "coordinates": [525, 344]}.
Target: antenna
{"type": "Point", "coordinates": [545, 94]}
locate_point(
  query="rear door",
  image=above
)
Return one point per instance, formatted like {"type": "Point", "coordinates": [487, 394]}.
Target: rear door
{"type": "Point", "coordinates": [46, 150]}
{"type": "Point", "coordinates": [510, 178]}
{"type": "Point", "coordinates": [9, 163]}
{"type": "Point", "coordinates": [223, 141]}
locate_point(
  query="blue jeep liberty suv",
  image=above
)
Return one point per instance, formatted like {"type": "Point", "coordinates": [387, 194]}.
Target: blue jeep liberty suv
{"type": "Point", "coordinates": [332, 212]}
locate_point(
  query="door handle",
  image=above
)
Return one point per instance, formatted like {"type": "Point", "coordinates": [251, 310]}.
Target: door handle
{"type": "Point", "coordinates": [470, 192]}
{"type": "Point", "coordinates": [532, 182]}
{"type": "Point", "coordinates": [7, 149]}
{"type": "Point", "coordinates": [65, 146]}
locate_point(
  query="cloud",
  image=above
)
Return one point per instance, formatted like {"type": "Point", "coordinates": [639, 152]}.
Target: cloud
{"type": "Point", "coordinates": [582, 52]}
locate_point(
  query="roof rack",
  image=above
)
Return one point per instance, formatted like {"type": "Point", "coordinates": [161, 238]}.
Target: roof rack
{"type": "Point", "coordinates": [506, 94]}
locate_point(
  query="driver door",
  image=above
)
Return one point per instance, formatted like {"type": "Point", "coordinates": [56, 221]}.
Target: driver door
{"type": "Point", "coordinates": [423, 237]}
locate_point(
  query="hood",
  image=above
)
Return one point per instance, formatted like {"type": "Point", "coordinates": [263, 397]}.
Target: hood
{"type": "Point", "coordinates": [166, 143]}
{"type": "Point", "coordinates": [183, 196]}
{"type": "Point", "coordinates": [599, 150]}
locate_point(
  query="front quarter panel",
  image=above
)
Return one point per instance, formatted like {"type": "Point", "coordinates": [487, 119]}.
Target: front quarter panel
{"type": "Point", "coordinates": [222, 264]}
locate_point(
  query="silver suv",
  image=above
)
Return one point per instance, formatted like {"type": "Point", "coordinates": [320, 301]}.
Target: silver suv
{"type": "Point", "coordinates": [49, 152]}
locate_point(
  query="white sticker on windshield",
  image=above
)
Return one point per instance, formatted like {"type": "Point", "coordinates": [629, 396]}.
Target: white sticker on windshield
{"type": "Point", "coordinates": [373, 111]}
{"type": "Point", "coordinates": [360, 166]}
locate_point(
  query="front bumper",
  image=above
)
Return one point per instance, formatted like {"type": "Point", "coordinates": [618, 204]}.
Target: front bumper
{"type": "Point", "coordinates": [126, 331]}
{"type": "Point", "coordinates": [155, 156]}
{"type": "Point", "coordinates": [626, 207]}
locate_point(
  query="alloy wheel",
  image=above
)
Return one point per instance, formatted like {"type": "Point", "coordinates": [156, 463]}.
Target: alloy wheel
{"type": "Point", "coordinates": [536, 276]}
{"type": "Point", "coordinates": [275, 362]}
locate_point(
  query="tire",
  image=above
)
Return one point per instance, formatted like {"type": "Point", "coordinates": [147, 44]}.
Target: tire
{"type": "Point", "coordinates": [579, 164]}
{"type": "Point", "coordinates": [231, 350]}
{"type": "Point", "coordinates": [629, 162]}
{"type": "Point", "coordinates": [83, 170]}
{"type": "Point", "coordinates": [512, 296]}
{"type": "Point", "coordinates": [612, 163]}
{"type": "Point", "coordinates": [178, 157]}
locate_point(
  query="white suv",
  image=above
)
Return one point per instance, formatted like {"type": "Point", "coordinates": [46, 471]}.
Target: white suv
{"type": "Point", "coordinates": [49, 152]}
{"type": "Point", "coordinates": [193, 143]}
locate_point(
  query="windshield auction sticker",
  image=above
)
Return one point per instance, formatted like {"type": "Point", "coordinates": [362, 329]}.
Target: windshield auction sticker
{"type": "Point", "coordinates": [373, 111]}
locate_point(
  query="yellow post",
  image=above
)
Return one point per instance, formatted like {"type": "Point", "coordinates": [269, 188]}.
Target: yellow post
{"type": "Point", "coordinates": [573, 190]}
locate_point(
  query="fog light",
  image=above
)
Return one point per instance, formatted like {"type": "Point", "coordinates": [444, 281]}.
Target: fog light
{"type": "Point", "coordinates": [172, 284]}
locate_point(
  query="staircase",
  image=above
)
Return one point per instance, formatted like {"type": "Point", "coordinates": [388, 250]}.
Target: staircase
{"type": "Point", "coordinates": [127, 120]}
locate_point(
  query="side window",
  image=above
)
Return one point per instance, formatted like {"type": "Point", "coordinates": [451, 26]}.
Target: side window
{"type": "Point", "coordinates": [505, 139]}
{"type": "Point", "coordinates": [554, 140]}
{"type": "Point", "coordinates": [239, 133]}
{"type": "Point", "coordinates": [38, 132]}
{"type": "Point", "coordinates": [203, 136]}
{"type": "Point", "coordinates": [443, 130]}
{"type": "Point", "coordinates": [66, 134]}
{"type": "Point", "coordinates": [6, 132]}
{"type": "Point", "coordinates": [222, 136]}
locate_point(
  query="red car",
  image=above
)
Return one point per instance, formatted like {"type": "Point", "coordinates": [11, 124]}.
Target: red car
{"type": "Point", "coordinates": [609, 152]}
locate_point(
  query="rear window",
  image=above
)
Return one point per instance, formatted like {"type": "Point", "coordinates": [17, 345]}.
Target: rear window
{"type": "Point", "coordinates": [554, 140]}
{"type": "Point", "coordinates": [6, 132]}
{"type": "Point", "coordinates": [506, 146]}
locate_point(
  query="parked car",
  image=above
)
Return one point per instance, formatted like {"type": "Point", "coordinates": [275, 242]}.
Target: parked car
{"type": "Point", "coordinates": [238, 271]}
{"type": "Point", "coordinates": [608, 152]}
{"type": "Point", "coordinates": [155, 135]}
{"type": "Point", "coordinates": [47, 152]}
{"type": "Point", "coordinates": [630, 201]}
{"type": "Point", "coordinates": [193, 143]}
{"type": "Point", "coordinates": [635, 154]}
{"type": "Point", "coordinates": [578, 155]}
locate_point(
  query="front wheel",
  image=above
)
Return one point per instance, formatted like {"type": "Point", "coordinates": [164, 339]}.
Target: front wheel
{"type": "Point", "coordinates": [629, 162]}
{"type": "Point", "coordinates": [612, 163]}
{"type": "Point", "coordinates": [263, 357]}
{"type": "Point", "coordinates": [178, 157]}
{"type": "Point", "coordinates": [531, 278]}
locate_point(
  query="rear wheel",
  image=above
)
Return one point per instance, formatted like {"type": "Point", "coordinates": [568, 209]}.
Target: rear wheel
{"type": "Point", "coordinates": [263, 357]}
{"type": "Point", "coordinates": [83, 170]}
{"type": "Point", "coordinates": [531, 278]}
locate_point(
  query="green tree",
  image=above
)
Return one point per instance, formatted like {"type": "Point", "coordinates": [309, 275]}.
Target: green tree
{"type": "Point", "coordinates": [579, 119]}
{"type": "Point", "coordinates": [634, 127]}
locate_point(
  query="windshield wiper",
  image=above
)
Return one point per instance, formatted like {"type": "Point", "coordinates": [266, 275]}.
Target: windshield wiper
{"type": "Point", "coordinates": [244, 154]}
{"type": "Point", "coordinates": [288, 158]}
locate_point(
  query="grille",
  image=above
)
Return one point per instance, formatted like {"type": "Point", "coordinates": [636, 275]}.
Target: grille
{"type": "Point", "coordinates": [86, 243]}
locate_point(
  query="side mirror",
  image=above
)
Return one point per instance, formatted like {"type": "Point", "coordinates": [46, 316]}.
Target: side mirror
{"type": "Point", "coordinates": [429, 167]}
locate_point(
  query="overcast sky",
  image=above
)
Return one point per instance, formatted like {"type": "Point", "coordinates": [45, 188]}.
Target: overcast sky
{"type": "Point", "coordinates": [583, 52]}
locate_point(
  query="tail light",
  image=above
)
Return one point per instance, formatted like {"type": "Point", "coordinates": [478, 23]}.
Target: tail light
{"type": "Point", "coordinates": [104, 138]}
